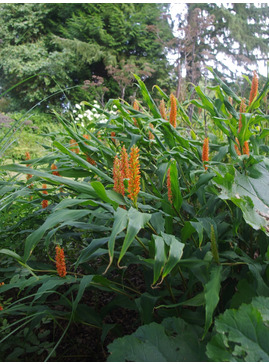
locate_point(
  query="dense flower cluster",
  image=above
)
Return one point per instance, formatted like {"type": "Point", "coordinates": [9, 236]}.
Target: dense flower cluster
{"type": "Point", "coordinates": [134, 174]}
{"type": "Point", "coordinates": [60, 261]}
{"type": "Point", "coordinates": [124, 163]}
{"type": "Point", "coordinates": [173, 111]}
{"type": "Point", "coordinates": [254, 88]}
{"type": "Point", "coordinates": [118, 176]}
{"type": "Point", "coordinates": [163, 110]}
{"type": "Point", "coordinates": [205, 152]}
{"type": "Point", "coordinates": [169, 189]}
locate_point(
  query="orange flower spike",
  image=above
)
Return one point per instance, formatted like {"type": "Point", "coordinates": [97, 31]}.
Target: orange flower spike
{"type": "Point", "coordinates": [173, 111]}
{"type": "Point", "coordinates": [60, 261]}
{"type": "Point", "coordinates": [246, 148]}
{"type": "Point", "coordinates": [54, 170]}
{"type": "Point", "coordinates": [134, 175]}
{"type": "Point", "coordinates": [205, 153]}
{"type": "Point", "coordinates": [169, 189]}
{"type": "Point", "coordinates": [113, 134]}
{"type": "Point", "coordinates": [86, 136]}
{"type": "Point", "coordinates": [254, 87]}
{"type": "Point", "coordinates": [162, 110]}
{"type": "Point", "coordinates": [151, 136]}
{"type": "Point", "coordinates": [124, 163]}
{"type": "Point", "coordinates": [118, 177]}
{"type": "Point", "coordinates": [1, 308]}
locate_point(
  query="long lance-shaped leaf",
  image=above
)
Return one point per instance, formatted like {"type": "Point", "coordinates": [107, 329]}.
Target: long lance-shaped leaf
{"type": "Point", "coordinates": [54, 219]}
{"type": "Point", "coordinates": [147, 97]}
{"type": "Point", "coordinates": [256, 103]}
{"type": "Point", "coordinates": [212, 289]}
{"type": "Point", "coordinates": [81, 187]}
{"type": "Point", "coordinates": [81, 161]}
{"type": "Point", "coordinates": [120, 223]}
{"type": "Point", "coordinates": [177, 197]}
{"type": "Point", "coordinates": [175, 253]}
{"type": "Point", "coordinates": [136, 221]}
{"type": "Point", "coordinates": [159, 257]}
{"type": "Point", "coordinates": [84, 282]}
{"type": "Point", "coordinates": [223, 85]}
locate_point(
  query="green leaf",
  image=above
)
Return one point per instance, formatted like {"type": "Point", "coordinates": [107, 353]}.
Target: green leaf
{"type": "Point", "coordinates": [81, 187]}
{"type": "Point", "coordinates": [87, 252]}
{"type": "Point", "coordinates": [147, 97]}
{"type": "Point", "coordinates": [84, 282]}
{"type": "Point", "coordinates": [243, 334]}
{"type": "Point", "coordinates": [53, 219]}
{"type": "Point", "coordinates": [102, 193]}
{"type": "Point", "coordinates": [159, 258]}
{"type": "Point", "coordinates": [223, 85]}
{"type": "Point", "coordinates": [172, 341]}
{"type": "Point", "coordinates": [177, 197]}
{"type": "Point", "coordinates": [212, 289]}
{"type": "Point", "coordinates": [120, 223]}
{"type": "Point", "coordinates": [80, 161]}
{"type": "Point", "coordinates": [11, 254]}
{"type": "Point", "coordinates": [249, 192]}
{"type": "Point", "coordinates": [175, 253]}
{"type": "Point", "coordinates": [136, 221]}
{"type": "Point", "coordinates": [145, 304]}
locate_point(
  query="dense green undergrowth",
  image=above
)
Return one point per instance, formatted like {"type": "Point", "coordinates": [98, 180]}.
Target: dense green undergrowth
{"type": "Point", "coordinates": [195, 240]}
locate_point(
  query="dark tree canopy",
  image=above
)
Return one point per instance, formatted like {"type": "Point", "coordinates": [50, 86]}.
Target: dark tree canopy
{"type": "Point", "coordinates": [68, 44]}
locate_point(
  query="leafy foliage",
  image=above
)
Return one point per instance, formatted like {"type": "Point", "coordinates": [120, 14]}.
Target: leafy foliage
{"type": "Point", "coordinates": [190, 246]}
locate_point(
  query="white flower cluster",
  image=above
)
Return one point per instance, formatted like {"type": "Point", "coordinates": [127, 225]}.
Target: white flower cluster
{"type": "Point", "coordinates": [85, 116]}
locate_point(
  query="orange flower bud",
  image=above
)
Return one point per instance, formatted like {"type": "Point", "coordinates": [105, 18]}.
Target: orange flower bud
{"type": "Point", "coordinates": [118, 176]}
{"type": "Point", "coordinates": [205, 153]}
{"type": "Point", "coordinates": [169, 189]}
{"type": "Point", "coordinates": [151, 136]}
{"type": "Point", "coordinates": [134, 175]}
{"type": "Point", "coordinates": [162, 110]}
{"type": "Point", "coordinates": [86, 136]}
{"type": "Point", "coordinates": [254, 87]}
{"type": "Point", "coordinates": [112, 137]}
{"type": "Point", "coordinates": [124, 163]}
{"type": "Point", "coordinates": [173, 111]}
{"type": "Point", "coordinates": [54, 168]}
{"type": "Point", "coordinates": [60, 261]}
{"type": "Point", "coordinates": [45, 204]}
{"type": "Point", "coordinates": [246, 148]}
